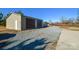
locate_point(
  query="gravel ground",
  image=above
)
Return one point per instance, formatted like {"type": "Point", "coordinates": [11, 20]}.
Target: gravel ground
{"type": "Point", "coordinates": [35, 39]}
{"type": "Point", "coordinates": [69, 40]}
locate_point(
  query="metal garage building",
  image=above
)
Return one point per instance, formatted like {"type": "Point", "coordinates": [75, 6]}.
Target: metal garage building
{"type": "Point", "coordinates": [20, 22]}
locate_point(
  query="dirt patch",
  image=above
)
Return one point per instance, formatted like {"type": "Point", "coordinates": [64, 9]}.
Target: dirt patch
{"type": "Point", "coordinates": [69, 40]}
{"type": "Point", "coordinates": [51, 46]}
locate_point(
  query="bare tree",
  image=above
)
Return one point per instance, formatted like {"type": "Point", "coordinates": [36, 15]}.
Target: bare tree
{"type": "Point", "coordinates": [64, 20]}
{"type": "Point", "coordinates": [71, 20]}
{"type": "Point", "coordinates": [77, 18]}
{"type": "Point", "coordinates": [1, 15]}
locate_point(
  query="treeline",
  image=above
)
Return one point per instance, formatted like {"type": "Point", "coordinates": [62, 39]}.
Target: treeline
{"type": "Point", "coordinates": [2, 21]}
{"type": "Point", "coordinates": [3, 18]}
{"type": "Point", "coordinates": [70, 21]}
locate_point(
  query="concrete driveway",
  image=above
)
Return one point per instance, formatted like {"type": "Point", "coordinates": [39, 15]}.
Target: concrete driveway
{"type": "Point", "coordinates": [35, 39]}
{"type": "Point", "coordinates": [69, 40]}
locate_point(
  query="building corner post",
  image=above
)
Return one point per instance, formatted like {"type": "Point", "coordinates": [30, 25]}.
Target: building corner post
{"type": "Point", "coordinates": [35, 23]}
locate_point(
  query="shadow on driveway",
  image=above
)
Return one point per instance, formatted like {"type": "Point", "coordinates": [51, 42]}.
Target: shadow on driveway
{"type": "Point", "coordinates": [4, 36]}
{"type": "Point", "coordinates": [39, 44]}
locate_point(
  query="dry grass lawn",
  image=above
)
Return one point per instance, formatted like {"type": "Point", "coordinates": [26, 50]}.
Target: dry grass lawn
{"type": "Point", "coordinates": [73, 28]}
{"type": "Point", "coordinates": [4, 30]}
